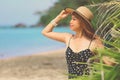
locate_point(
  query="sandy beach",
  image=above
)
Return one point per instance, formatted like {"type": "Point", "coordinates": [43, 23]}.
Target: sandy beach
{"type": "Point", "coordinates": [41, 66]}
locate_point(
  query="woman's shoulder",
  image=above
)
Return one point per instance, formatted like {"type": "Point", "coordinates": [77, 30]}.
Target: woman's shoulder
{"type": "Point", "coordinates": [68, 35]}
{"type": "Point", "coordinates": [98, 42]}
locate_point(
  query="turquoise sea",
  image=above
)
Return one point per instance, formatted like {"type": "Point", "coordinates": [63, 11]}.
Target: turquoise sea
{"type": "Point", "coordinates": [26, 41]}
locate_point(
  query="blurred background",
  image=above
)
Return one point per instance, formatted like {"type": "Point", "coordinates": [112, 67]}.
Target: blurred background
{"type": "Point", "coordinates": [20, 27]}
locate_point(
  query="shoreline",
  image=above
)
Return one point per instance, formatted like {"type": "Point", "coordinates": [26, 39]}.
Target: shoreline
{"type": "Point", "coordinates": [40, 66]}
{"type": "Point", "coordinates": [35, 54]}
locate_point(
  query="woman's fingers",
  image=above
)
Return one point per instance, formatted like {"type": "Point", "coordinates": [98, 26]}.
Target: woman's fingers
{"type": "Point", "coordinates": [63, 14]}
{"type": "Point", "coordinates": [109, 61]}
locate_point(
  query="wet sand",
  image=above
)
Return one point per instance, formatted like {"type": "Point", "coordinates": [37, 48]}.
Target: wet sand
{"type": "Point", "coordinates": [43, 66]}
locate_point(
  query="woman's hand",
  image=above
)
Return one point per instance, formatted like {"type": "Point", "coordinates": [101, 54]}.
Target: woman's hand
{"type": "Point", "coordinates": [63, 14]}
{"type": "Point", "coordinates": [109, 61]}
{"type": "Point", "coordinates": [48, 30]}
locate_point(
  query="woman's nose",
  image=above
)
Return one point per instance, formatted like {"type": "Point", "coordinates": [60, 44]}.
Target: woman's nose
{"type": "Point", "coordinates": [70, 21]}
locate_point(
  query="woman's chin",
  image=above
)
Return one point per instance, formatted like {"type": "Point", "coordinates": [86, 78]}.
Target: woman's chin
{"type": "Point", "coordinates": [72, 29]}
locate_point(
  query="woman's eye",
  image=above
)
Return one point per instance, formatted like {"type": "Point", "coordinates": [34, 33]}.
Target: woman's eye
{"type": "Point", "coordinates": [74, 19]}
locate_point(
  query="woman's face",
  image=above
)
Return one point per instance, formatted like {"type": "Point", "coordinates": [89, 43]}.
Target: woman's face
{"type": "Point", "coordinates": [74, 23]}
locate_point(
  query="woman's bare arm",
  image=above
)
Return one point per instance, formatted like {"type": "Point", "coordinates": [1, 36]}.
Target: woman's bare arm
{"type": "Point", "coordinates": [48, 30]}
{"type": "Point", "coordinates": [106, 59]}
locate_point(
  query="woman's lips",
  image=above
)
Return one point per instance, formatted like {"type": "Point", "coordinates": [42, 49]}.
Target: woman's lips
{"type": "Point", "coordinates": [71, 25]}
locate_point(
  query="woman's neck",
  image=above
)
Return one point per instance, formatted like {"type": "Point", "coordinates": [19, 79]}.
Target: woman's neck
{"type": "Point", "coordinates": [78, 35]}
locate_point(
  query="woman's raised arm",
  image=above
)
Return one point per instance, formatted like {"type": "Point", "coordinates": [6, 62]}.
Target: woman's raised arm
{"type": "Point", "coordinates": [48, 30]}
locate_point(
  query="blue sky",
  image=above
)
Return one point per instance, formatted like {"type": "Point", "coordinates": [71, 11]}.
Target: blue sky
{"type": "Point", "coordinates": [22, 11]}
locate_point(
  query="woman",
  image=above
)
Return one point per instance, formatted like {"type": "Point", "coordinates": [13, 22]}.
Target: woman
{"type": "Point", "coordinates": [81, 45]}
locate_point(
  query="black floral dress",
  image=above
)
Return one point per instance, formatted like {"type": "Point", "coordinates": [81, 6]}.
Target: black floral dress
{"type": "Point", "coordinates": [75, 62]}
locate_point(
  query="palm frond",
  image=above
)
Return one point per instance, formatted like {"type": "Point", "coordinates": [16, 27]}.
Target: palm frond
{"type": "Point", "coordinates": [107, 25]}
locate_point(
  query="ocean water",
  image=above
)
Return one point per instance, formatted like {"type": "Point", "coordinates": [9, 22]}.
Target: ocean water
{"type": "Point", "coordinates": [26, 41]}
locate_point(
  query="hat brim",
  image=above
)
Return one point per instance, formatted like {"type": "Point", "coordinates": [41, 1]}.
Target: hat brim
{"type": "Point", "coordinates": [70, 10]}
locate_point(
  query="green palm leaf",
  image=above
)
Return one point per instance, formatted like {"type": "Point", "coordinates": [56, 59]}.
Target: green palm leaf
{"type": "Point", "coordinates": [107, 25]}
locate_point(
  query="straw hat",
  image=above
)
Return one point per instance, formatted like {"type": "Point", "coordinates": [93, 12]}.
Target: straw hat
{"type": "Point", "coordinates": [83, 12]}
